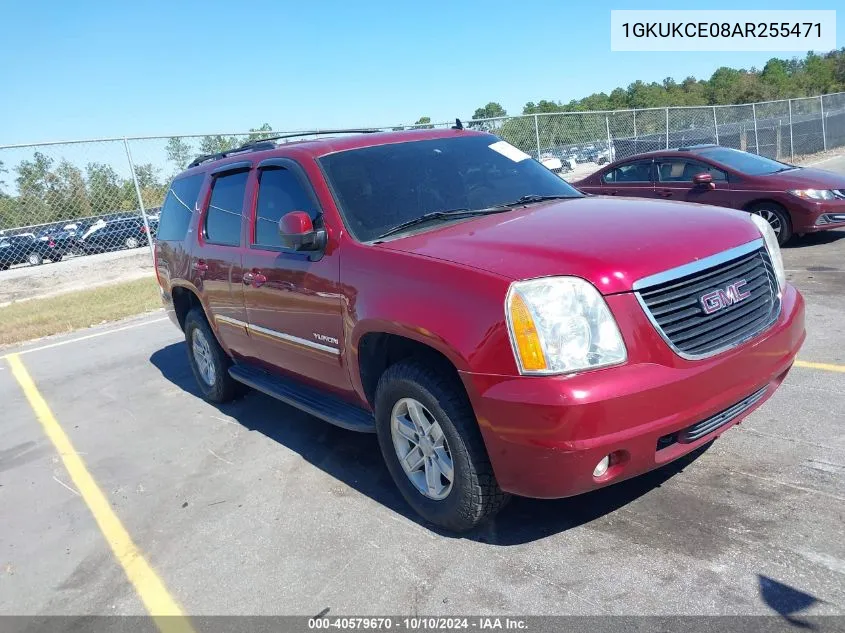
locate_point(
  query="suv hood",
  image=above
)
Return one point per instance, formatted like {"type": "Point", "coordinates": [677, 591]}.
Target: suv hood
{"type": "Point", "coordinates": [610, 242]}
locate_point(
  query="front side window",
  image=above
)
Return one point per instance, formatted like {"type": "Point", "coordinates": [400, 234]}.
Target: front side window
{"type": "Point", "coordinates": [683, 170]}
{"type": "Point", "coordinates": [279, 192]}
{"type": "Point", "coordinates": [225, 210]}
{"type": "Point", "coordinates": [638, 171]}
{"type": "Point", "coordinates": [382, 186]}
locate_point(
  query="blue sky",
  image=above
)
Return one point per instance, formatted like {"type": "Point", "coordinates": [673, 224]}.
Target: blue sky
{"type": "Point", "coordinates": [94, 69]}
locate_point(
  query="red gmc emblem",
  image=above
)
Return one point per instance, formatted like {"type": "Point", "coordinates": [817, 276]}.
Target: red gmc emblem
{"type": "Point", "coordinates": [715, 300]}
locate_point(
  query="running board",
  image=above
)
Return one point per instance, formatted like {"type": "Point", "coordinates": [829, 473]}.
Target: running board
{"type": "Point", "coordinates": [318, 403]}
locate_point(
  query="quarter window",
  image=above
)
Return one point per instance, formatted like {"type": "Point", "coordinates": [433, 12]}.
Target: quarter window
{"type": "Point", "coordinates": [178, 207]}
{"type": "Point", "coordinates": [225, 210]}
{"type": "Point", "coordinates": [279, 192]}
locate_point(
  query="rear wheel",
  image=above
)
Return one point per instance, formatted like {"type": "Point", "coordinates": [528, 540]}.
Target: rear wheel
{"type": "Point", "coordinates": [777, 217]}
{"type": "Point", "coordinates": [209, 362]}
{"type": "Point", "coordinates": [132, 242]}
{"type": "Point", "coordinates": [35, 259]}
{"type": "Point", "coordinates": [429, 437]}
{"type": "Point", "coordinates": [4, 266]}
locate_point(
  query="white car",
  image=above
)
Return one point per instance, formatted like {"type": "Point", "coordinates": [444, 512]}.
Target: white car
{"type": "Point", "coordinates": [551, 162]}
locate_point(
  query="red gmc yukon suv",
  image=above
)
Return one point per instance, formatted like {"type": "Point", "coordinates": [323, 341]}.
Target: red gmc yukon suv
{"type": "Point", "coordinates": [500, 332]}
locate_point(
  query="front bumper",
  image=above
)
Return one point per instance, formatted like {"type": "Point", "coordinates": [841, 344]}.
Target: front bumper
{"type": "Point", "coordinates": [545, 435]}
{"type": "Point", "coordinates": [810, 216]}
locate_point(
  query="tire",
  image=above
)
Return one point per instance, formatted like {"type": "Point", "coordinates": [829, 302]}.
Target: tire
{"type": "Point", "coordinates": [473, 495]}
{"type": "Point", "coordinates": [215, 383]}
{"type": "Point", "coordinates": [777, 217]}
{"type": "Point", "coordinates": [4, 266]}
{"type": "Point", "coordinates": [132, 242]}
{"type": "Point", "coordinates": [56, 258]}
{"type": "Point", "coordinates": [35, 259]}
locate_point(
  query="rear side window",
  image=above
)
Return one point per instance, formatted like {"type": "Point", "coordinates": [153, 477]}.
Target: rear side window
{"type": "Point", "coordinates": [639, 171]}
{"type": "Point", "coordinates": [279, 192]}
{"type": "Point", "coordinates": [682, 170]}
{"type": "Point", "coordinates": [225, 210]}
{"type": "Point", "coordinates": [178, 207]}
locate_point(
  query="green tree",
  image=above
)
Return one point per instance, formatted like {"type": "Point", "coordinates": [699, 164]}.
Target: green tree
{"type": "Point", "coordinates": [423, 123]}
{"type": "Point", "coordinates": [255, 133]}
{"type": "Point", "coordinates": [217, 143]}
{"type": "Point", "coordinates": [106, 191]}
{"type": "Point", "coordinates": [179, 152]}
{"type": "Point", "coordinates": [490, 111]}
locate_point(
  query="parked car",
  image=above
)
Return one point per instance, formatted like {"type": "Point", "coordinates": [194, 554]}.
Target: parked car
{"type": "Point", "coordinates": [551, 162]}
{"type": "Point", "coordinates": [499, 332]}
{"type": "Point", "coordinates": [53, 244]}
{"type": "Point", "coordinates": [15, 249]}
{"type": "Point", "coordinates": [793, 200]}
{"type": "Point", "coordinates": [112, 235]}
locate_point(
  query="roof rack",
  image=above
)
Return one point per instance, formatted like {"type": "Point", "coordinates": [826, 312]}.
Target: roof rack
{"type": "Point", "coordinates": [687, 148]}
{"type": "Point", "coordinates": [267, 143]}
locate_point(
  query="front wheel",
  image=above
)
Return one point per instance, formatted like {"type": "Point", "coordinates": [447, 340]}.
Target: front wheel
{"type": "Point", "coordinates": [132, 242]}
{"type": "Point", "coordinates": [429, 437]}
{"type": "Point", "coordinates": [35, 259]}
{"type": "Point", "coordinates": [778, 219]}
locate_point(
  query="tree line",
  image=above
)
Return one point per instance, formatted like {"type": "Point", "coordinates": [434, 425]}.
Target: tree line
{"type": "Point", "coordinates": [50, 191]}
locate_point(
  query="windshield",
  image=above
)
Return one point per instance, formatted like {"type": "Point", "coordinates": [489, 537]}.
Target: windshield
{"type": "Point", "coordinates": [745, 163]}
{"type": "Point", "coordinates": [382, 186]}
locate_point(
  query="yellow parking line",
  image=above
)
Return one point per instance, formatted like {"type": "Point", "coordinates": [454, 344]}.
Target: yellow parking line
{"type": "Point", "coordinates": [822, 366]}
{"type": "Point", "coordinates": [158, 602]}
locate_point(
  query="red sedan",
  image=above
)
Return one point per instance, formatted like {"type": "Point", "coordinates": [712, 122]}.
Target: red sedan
{"type": "Point", "coordinates": [794, 200]}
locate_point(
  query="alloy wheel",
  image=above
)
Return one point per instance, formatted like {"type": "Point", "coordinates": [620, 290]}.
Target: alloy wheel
{"type": "Point", "coordinates": [773, 219]}
{"type": "Point", "coordinates": [422, 448]}
{"type": "Point", "coordinates": [203, 357]}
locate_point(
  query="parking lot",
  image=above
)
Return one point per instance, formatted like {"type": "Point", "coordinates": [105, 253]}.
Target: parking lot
{"type": "Point", "coordinates": [254, 507]}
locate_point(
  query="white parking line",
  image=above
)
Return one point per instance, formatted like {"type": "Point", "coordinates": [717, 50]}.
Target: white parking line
{"type": "Point", "coordinates": [85, 338]}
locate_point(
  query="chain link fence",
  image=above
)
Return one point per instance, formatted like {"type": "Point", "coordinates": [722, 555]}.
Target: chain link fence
{"type": "Point", "coordinates": [62, 201]}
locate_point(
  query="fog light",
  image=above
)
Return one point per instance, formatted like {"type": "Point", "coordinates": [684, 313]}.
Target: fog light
{"type": "Point", "coordinates": [601, 467]}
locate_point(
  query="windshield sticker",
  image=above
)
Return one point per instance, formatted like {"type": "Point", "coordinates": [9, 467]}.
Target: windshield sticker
{"type": "Point", "coordinates": [509, 151]}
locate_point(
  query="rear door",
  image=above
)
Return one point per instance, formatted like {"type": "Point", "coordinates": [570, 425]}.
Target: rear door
{"type": "Point", "coordinates": [634, 178]}
{"type": "Point", "coordinates": [293, 299]}
{"type": "Point", "coordinates": [216, 258]}
{"type": "Point", "coordinates": [674, 182]}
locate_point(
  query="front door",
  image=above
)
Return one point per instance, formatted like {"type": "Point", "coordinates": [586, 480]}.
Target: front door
{"type": "Point", "coordinates": [674, 182]}
{"type": "Point", "coordinates": [293, 301]}
{"type": "Point", "coordinates": [216, 259]}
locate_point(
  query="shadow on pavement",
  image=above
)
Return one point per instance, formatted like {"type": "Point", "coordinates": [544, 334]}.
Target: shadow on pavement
{"type": "Point", "coordinates": [815, 239]}
{"type": "Point", "coordinates": [355, 459]}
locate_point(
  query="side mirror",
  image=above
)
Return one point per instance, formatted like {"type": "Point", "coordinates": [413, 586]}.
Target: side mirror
{"type": "Point", "coordinates": [702, 179]}
{"type": "Point", "coordinates": [298, 233]}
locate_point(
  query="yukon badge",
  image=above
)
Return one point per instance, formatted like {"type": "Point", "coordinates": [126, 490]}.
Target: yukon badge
{"type": "Point", "coordinates": [715, 300]}
{"type": "Point", "coordinates": [325, 339]}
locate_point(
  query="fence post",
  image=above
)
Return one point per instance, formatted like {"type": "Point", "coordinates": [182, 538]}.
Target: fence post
{"type": "Point", "coordinates": [635, 123]}
{"type": "Point", "coordinates": [609, 141]}
{"type": "Point", "coordinates": [791, 145]}
{"type": "Point", "coordinates": [140, 201]}
{"type": "Point", "coordinates": [667, 128]}
{"type": "Point", "coordinates": [537, 134]}
{"type": "Point", "coordinates": [756, 140]}
{"type": "Point", "coordinates": [824, 134]}
{"type": "Point", "coordinates": [715, 125]}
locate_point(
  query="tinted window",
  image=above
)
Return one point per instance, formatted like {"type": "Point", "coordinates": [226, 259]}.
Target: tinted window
{"type": "Point", "coordinates": [178, 207]}
{"type": "Point", "coordinates": [382, 186]}
{"type": "Point", "coordinates": [279, 192]}
{"type": "Point", "coordinates": [223, 221]}
{"type": "Point", "coordinates": [683, 170]}
{"type": "Point", "coordinates": [639, 171]}
{"type": "Point", "coordinates": [744, 162]}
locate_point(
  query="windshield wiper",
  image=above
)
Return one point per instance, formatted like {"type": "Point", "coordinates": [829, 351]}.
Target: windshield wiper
{"type": "Point", "coordinates": [442, 215]}
{"type": "Point", "coordinates": [534, 197]}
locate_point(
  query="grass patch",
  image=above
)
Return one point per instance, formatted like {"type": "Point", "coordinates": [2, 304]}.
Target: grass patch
{"type": "Point", "coordinates": [67, 312]}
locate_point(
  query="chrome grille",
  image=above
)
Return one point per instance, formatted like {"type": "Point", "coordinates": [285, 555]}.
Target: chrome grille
{"type": "Point", "coordinates": [675, 301]}
{"type": "Point", "coordinates": [699, 430]}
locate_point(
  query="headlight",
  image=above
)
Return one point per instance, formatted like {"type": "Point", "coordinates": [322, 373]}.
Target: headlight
{"type": "Point", "coordinates": [772, 246]}
{"type": "Point", "coordinates": [561, 324]}
{"type": "Point", "coordinates": [813, 194]}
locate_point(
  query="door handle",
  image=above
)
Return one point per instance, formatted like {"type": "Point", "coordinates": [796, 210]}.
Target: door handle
{"type": "Point", "coordinates": [254, 278]}
{"type": "Point", "coordinates": [200, 266]}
